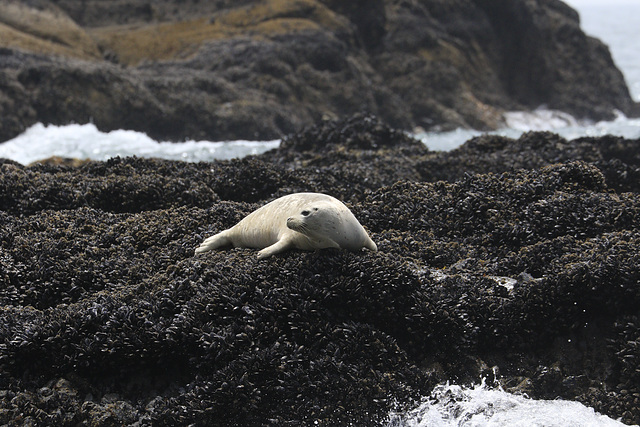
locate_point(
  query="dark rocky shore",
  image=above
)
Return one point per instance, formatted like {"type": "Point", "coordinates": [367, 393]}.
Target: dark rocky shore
{"type": "Point", "coordinates": [261, 69]}
{"type": "Point", "coordinates": [513, 260]}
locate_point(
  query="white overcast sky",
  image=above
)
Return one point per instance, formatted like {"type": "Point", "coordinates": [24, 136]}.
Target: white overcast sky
{"type": "Point", "coordinates": [578, 3]}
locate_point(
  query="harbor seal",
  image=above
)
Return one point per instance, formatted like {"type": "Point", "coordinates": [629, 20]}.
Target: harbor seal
{"type": "Point", "coordinates": [306, 221]}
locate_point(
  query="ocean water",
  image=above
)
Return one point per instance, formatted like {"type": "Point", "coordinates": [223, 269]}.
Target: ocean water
{"type": "Point", "coordinates": [616, 22]}
{"type": "Point", "coordinates": [87, 142]}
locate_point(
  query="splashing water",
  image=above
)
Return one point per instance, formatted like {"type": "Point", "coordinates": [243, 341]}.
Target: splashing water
{"type": "Point", "coordinates": [87, 142]}
{"type": "Point", "coordinates": [479, 406]}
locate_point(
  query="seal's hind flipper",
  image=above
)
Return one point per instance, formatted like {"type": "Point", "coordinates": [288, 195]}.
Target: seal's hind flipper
{"type": "Point", "coordinates": [214, 242]}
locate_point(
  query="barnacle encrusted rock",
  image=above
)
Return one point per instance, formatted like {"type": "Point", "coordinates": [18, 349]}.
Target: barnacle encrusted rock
{"type": "Point", "coordinates": [529, 263]}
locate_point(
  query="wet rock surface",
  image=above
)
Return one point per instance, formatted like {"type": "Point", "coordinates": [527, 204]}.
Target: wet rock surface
{"type": "Point", "coordinates": [513, 260]}
{"type": "Point", "coordinates": [261, 69]}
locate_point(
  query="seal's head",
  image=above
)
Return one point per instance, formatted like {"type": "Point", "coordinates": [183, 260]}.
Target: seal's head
{"type": "Point", "coordinates": [313, 221]}
{"type": "Point", "coordinates": [332, 223]}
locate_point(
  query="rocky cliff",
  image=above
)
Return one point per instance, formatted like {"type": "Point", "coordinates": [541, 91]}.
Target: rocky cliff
{"type": "Point", "coordinates": [263, 69]}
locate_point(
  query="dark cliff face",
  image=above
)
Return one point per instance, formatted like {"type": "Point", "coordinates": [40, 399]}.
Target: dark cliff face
{"type": "Point", "coordinates": [263, 69]}
{"type": "Point", "coordinates": [541, 52]}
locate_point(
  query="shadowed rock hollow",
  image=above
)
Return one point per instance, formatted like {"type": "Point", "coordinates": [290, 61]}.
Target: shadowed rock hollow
{"type": "Point", "coordinates": [527, 263]}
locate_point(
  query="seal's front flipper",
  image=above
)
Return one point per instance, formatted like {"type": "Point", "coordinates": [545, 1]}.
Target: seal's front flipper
{"type": "Point", "coordinates": [214, 242]}
{"type": "Point", "coordinates": [370, 244]}
{"type": "Point", "coordinates": [279, 246]}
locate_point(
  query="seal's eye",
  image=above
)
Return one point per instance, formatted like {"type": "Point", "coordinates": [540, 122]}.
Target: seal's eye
{"type": "Point", "coordinates": [305, 213]}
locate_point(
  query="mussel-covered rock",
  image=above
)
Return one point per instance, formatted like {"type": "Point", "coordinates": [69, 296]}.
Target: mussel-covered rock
{"type": "Point", "coordinates": [529, 264]}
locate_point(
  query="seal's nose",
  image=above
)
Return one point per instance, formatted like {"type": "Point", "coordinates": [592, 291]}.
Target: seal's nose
{"type": "Point", "coordinates": [293, 224]}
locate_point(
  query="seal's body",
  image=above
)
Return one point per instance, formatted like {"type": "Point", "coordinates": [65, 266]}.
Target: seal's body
{"type": "Point", "coordinates": [306, 221]}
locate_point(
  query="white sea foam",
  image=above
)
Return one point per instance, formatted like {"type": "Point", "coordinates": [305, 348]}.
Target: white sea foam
{"type": "Point", "coordinates": [480, 406]}
{"type": "Point", "coordinates": [538, 120]}
{"type": "Point", "coordinates": [87, 142]}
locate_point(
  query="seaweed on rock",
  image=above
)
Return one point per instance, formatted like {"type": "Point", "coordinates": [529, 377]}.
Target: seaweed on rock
{"type": "Point", "coordinates": [106, 317]}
